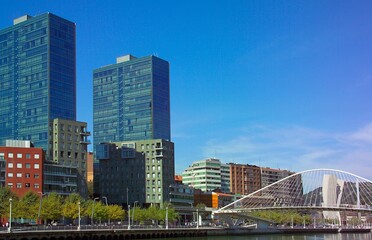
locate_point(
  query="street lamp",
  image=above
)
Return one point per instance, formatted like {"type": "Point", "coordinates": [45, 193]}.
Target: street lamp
{"type": "Point", "coordinates": [10, 215]}
{"type": "Point", "coordinates": [105, 200]}
{"type": "Point", "coordinates": [94, 200]}
{"type": "Point", "coordinates": [134, 206]}
{"type": "Point", "coordinates": [127, 199]}
{"type": "Point", "coordinates": [197, 218]}
{"type": "Point", "coordinates": [128, 217]}
{"type": "Point", "coordinates": [166, 218]}
{"type": "Point", "coordinates": [41, 202]}
{"type": "Point", "coordinates": [79, 216]}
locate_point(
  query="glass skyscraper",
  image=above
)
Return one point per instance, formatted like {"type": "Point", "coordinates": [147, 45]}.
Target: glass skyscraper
{"type": "Point", "coordinates": [37, 77]}
{"type": "Point", "coordinates": [131, 100]}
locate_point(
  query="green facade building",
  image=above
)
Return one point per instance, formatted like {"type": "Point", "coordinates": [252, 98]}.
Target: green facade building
{"type": "Point", "coordinates": [208, 175]}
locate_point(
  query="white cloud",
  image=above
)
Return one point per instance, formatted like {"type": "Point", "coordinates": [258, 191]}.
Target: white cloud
{"type": "Point", "coordinates": [363, 134]}
{"type": "Point", "coordinates": [297, 148]}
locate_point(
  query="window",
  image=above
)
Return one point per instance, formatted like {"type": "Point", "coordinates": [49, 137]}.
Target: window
{"type": "Point", "coordinates": [10, 185]}
{"type": "Point", "coordinates": [28, 165]}
{"type": "Point", "coordinates": [36, 185]}
{"type": "Point", "coordinates": [10, 155]}
{"type": "Point", "coordinates": [36, 176]}
{"type": "Point", "coordinates": [36, 166]}
{"type": "Point", "coordinates": [28, 156]}
{"type": "Point", "coordinates": [10, 174]}
{"type": "Point", "coordinates": [19, 165]}
{"type": "Point", "coordinates": [19, 185]}
{"type": "Point", "coordinates": [10, 165]}
{"type": "Point", "coordinates": [27, 175]}
{"type": "Point", "coordinates": [19, 175]}
{"type": "Point", "coordinates": [37, 156]}
{"type": "Point", "coordinates": [27, 185]}
{"type": "Point", "coordinates": [19, 155]}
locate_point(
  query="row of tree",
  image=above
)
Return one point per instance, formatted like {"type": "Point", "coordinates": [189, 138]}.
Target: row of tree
{"type": "Point", "coordinates": [54, 207]}
{"type": "Point", "coordinates": [284, 217]}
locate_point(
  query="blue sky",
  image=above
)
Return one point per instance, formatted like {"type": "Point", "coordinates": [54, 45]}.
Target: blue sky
{"type": "Point", "coordinates": [283, 84]}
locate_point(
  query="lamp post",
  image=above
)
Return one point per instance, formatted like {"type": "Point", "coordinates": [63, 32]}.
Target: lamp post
{"type": "Point", "coordinates": [197, 218]}
{"type": "Point", "coordinates": [134, 206]}
{"type": "Point", "coordinates": [105, 200]}
{"type": "Point", "coordinates": [94, 200]}
{"type": "Point", "coordinates": [291, 221]}
{"type": "Point", "coordinates": [41, 202]}
{"type": "Point", "coordinates": [10, 215]}
{"type": "Point", "coordinates": [166, 218]}
{"type": "Point", "coordinates": [304, 222]}
{"type": "Point", "coordinates": [106, 206]}
{"type": "Point", "coordinates": [128, 217]}
{"type": "Point", "coordinates": [79, 216]}
{"type": "Point", "coordinates": [127, 198]}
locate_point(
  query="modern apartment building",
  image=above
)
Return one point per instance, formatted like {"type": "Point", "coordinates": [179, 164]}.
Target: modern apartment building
{"type": "Point", "coordinates": [225, 178]}
{"type": "Point", "coordinates": [27, 170]}
{"type": "Point", "coordinates": [181, 196]}
{"type": "Point", "coordinates": [136, 171]}
{"type": "Point", "coordinates": [207, 175]}
{"type": "Point", "coordinates": [37, 77]}
{"type": "Point", "coordinates": [131, 100]}
{"type": "Point", "coordinates": [271, 175]}
{"type": "Point", "coordinates": [245, 178]}
{"type": "Point", "coordinates": [24, 167]}
{"type": "Point", "coordinates": [63, 180]}
{"type": "Point", "coordinates": [70, 148]}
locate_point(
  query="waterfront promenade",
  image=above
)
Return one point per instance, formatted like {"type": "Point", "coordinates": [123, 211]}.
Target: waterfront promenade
{"type": "Point", "coordinates": [120, 233]}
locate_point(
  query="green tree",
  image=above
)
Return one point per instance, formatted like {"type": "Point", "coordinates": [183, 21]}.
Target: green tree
{"type": "Point", "coordinates": [172, 214]}
{"type": "Point", "coordinates": [153, 213]}
{"type": "Point", "coordinates": [100, 211]}
{"type": "Point", "coordinates": [139, 215]}
{"type": "Point", "coordinates": [51, 207]}
{"type": "Point", "coordinates": [115, 212]}
{"type": "Point", "coordinates": [28, 206]}
{"type": "Point", "coordinates": [5, 195]}
{"type": "Point", "coordinates": [70, 207]}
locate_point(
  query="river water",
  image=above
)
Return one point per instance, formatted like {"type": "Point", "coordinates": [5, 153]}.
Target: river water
{"type": "Point", "coordinates": [339, 236]}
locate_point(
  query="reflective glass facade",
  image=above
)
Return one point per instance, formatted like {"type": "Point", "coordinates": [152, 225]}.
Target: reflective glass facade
{"type": "Point", "coordinates": [37, 77]}
{"type": "Point", "coordinates": [131, 100]}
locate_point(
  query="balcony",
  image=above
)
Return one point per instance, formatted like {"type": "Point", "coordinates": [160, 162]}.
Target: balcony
{"type": "Point", "coordinates": [87, 142]}
{"type": "Point", "coordinates": [159, 154]}
{"type": "Point", "coordinates": [85, 133]}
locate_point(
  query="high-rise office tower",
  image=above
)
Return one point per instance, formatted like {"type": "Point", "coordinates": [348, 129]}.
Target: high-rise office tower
{"type": "Point", "coordinates": [131, 100]}
{"type": "Point", "coordinates": [37, 77]}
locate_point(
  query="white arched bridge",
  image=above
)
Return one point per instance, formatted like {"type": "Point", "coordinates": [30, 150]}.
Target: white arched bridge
{"type": "Point", "coordinates": [333, 194]}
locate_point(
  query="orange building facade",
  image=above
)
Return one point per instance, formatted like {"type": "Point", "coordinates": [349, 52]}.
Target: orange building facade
{"type": "Point", "coordinates": [244, 179]}
{"type": "Point", "coordinates": [90, 159]}
{"type": "Point", "coordinates": [213, 199]}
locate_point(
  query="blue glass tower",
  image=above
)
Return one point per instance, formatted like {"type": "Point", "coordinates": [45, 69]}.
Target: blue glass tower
{"type": "Point", "coordinates": [131, 100]}
{"type": "Point", "coordinates": [37, 77]}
